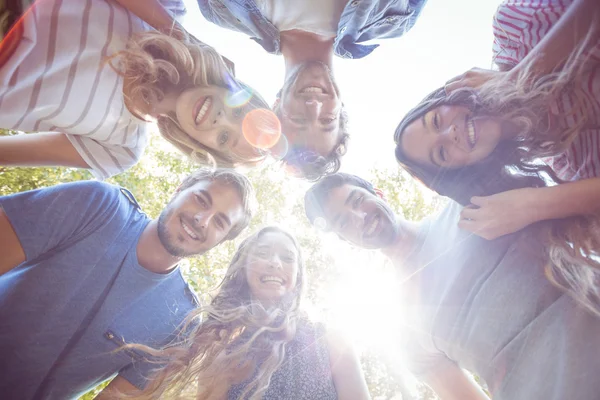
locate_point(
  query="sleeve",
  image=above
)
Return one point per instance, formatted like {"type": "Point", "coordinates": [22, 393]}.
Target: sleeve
{"type": "Point", "coordinates": [44, 219]}
{"type": "Point", "coordinates": [519, 26]}
{"type": "Point", "coordinates": [175, 7]}
{"type": "Point", "coordinates": [108, 159]}
{"type": "Point", "coordinates": [421, 360]}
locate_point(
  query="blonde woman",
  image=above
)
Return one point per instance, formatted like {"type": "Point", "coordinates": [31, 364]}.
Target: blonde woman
{"type": "Point", "coordinates": [88, 77]}
{"type": "Point", "coordinates": [253, 341]}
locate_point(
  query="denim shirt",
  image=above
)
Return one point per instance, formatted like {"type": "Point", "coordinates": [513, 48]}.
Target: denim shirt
{"type": "Point", "coordinates": [361, 21]}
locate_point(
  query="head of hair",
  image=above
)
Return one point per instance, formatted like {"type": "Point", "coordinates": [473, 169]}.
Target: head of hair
{"type": "Point", "coordinates": [317, 195]}
{"type": "Point", "coordinates": [570, 245]}
{"type": "Point", "coordinates": [231, 178]}
{"type": "Point", "coordinates": [155, 64]}
{"type": "Point", "coordinates": [232, 340]}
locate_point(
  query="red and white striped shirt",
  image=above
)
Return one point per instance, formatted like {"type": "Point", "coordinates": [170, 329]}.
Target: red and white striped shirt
{"type": "Point", "coordinates": [58, 80]}
{"type": "Point", "coordinates": [518, 26]}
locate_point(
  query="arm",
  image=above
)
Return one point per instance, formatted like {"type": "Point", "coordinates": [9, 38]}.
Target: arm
{"type": "Point", "coordinates": [39, 149]}
{"type": "Point", "coordinates": [554, 48]}
{"type": "Point", "coordinates": [557, 45]}
{"type": "Point", "coordinates": [511, 211]}
{"type": "Point", "coordinates": [450, 382]}
{"type": "Point", "coordinates": [10, 246]}
{"type": "Point", "coordinates": [117, 385]}
{"type": "Point", "coordinates": [152, 12]}
{"type": "Point", "coordinates": [346, 372]}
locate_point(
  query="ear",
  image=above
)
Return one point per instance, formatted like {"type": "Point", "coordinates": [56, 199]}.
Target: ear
{"type": "Point", "coordinates": [276, 103]}
{"type": "Point", "coordinates": [380, 194]}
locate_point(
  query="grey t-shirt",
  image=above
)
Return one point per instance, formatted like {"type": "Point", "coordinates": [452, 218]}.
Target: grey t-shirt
{"type": "Point", "coordinates": [487, 306]}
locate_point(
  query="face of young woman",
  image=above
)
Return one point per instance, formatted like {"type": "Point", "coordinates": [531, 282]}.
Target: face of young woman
{"type": "Point", "coordinates": [450, 137]}
{"type": "Point", "coordinates": [203, 113]}
{"type": "Point", "coordinates": [272, 267]}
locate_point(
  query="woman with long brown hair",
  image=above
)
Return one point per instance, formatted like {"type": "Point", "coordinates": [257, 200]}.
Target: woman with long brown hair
{"type": "Point", "coordinates": [88, 79]}
{"type": "Point", "coordinates": [253, 341]}
{"type": "Point", "coordinates": [507, 148]}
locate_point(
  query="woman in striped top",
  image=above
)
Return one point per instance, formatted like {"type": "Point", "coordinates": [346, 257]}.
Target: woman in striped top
{"type": "Point", "coordinates": [88, 77]}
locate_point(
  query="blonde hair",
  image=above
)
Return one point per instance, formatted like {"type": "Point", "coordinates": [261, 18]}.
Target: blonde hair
{"type": "Point", "coordinates": [571, 245]}
{"type": "Point", "coordinates": [231, 341]}
{"type": "Point", "coordinates": [155, 64]}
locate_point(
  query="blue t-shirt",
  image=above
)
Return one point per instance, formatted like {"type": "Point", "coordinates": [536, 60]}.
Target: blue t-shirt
{"type": "Point", "coordinates": [78, 238]}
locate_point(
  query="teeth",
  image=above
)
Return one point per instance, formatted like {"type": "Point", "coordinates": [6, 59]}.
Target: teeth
{"type": "Point", "coordinates": [471, 131]}
{"type": "Point", "coordinates": [312, 89]}
{"type": "Point", "coordinates": [373, 226]}
{"type": "Point", "coordinates": [271, 279]}
{"type": "Point", "coordinates": [189, 231]}
{"type": "Point", "coordinates": [205, 106]}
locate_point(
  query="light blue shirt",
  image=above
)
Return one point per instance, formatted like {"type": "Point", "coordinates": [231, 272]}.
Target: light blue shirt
{"type": "Point", "coordinates": [81, 294]}
{"type": "Point", "coordinates": [361, 21]}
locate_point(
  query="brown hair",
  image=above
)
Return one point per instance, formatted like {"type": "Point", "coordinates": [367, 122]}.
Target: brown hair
{"type": "Point", "coordinates": [233, 340]}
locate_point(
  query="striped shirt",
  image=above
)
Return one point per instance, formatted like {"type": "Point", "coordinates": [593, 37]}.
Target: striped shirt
{"type": "Point", "coordinates": [518, 26]}
{"type": "Point", "coordinates": [58, 80]}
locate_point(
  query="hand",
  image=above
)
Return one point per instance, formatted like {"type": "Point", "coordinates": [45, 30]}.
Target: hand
{"type": "Point", "coordinates": [500, 214]}
{"type": "Point", "coordinates": [473, 78]}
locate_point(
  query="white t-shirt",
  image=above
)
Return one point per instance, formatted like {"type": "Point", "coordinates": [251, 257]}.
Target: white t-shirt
{"type": "Point", "coordinates": [321, 17]}
{"type": "Point", "coordinates": [58, 81]}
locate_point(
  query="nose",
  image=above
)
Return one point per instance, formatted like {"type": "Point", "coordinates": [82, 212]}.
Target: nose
{"type": "Point", "coordinates": [219, 116]}
{"type": "Point", "coordinates": [313, 109]}
{"type": "Point", "coordinates": [275, 262]}
{"type": "Point", "coordinates": [358, 218]}
{"type": "Point", "coordinates": [202, 220]}
{"type": "Point", "coordinates": [451, 133]}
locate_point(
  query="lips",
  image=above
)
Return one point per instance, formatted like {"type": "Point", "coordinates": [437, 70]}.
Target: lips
{"type": "Point", "coordinates": [313, 89]}
{"type": "Point", "coordinates": [202, 109]}
{"type": "Point", "coordinates": [190, 232]}
{"type": "Point", "coordinates": [371, 225]}
{"type": "Point", "coordinates": [272, 280]}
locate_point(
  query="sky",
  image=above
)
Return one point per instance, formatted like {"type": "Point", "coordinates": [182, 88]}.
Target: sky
{"type": "Point", "coordinates": [449, 38]}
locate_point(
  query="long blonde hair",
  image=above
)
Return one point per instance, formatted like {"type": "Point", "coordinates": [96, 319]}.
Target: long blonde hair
{"type": "Point", "coordinates": [154, 64]}
{"type": "Point", "coordinates": [231, 341]}
{"type": "Point", "coordinates": [572, 245]}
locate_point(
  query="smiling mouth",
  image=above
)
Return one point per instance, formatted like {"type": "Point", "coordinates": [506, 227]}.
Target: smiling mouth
{"type": "Point", "coordinates": [190, 232]}
{"type": "Point", "coordinates": [272, 280]}
{"type": "Point", "coordinates": [471, 133]}
{"type": "Point", "coordinates": [201, 109]}
{"type": "Point", "coordinates": [371, 226]}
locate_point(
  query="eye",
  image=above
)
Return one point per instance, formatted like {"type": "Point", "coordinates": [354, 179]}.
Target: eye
{"type": "Point", "coordinates": [219, 223]}
{"type": "Point", "coordinates": [288, 259]}
{"type": "Point", "coordinates": [357, 201]}
{"type": "Point", "coordinates": [443, 157]}
{"type": "Point", "coordinates": [201, 201]}
{"type": "Point", "coordinates": [262, 254]}
{"type": "Point", "coordinates": [436, 121]}
{"type": "Point", "coordinates": [237, 112]}
{"type": "Point", "coordinates": [327, 121]}
{"type": "Point", "coordinates": [223, 138]}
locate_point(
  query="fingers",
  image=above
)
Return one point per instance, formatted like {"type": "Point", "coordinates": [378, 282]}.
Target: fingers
{"type": "Point", "coordinates": [478, 201]}
{"type": "Point", "coordinates": [468, 213]}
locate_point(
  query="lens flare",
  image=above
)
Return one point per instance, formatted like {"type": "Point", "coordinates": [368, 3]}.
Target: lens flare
{"type": "Point", "coordinates": [261, 128]}
{"type": "Point", "coordinates": [238, 98]}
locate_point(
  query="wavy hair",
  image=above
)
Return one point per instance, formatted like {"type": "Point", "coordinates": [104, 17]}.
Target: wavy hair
{"type": "Point", "coordinates": [572, 245]}
{"type": "Point", "coordinates": [232, 340]}
{"type": "Point", "coordinates": [155, 64]}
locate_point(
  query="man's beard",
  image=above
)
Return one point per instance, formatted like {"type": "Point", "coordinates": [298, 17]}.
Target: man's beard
{"type": "Point", "coordinates": [389, 232]}
{"type": "Point", "coordinates": [167, 239]}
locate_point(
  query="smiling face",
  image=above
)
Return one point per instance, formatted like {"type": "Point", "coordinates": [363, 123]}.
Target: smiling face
{"type": "Point", "coordinates": [360, 217]}
{"type": "Point", "coordinates": [199, 218]}
{"type": "Point", "coordinates": [203, 113]}
{"type": "Point", "coordinates": [310, 109]}
{"type": "Point", "coordinates": [272, 267]}
{"type": "Point", "coordinates": [450, 137]}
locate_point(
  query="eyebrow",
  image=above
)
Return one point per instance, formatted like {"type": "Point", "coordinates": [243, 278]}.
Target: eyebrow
{"type": "Point", "coordinates": [423, 121]}
{"type": "Point", "coordinates": [350, 197]}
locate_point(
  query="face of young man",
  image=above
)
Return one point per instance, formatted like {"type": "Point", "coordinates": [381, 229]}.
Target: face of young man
{"type": "Point", "coordinates": [199, 218]}
{"type": "Point", "coordinates": [360, 217]}
{"type": "Point", "coordinates": [310, 109]}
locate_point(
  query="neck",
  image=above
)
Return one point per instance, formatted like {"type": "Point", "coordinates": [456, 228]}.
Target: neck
{"type": "Point", "coordinates": [151, 253]}
{"type": "Point", "coordinates": [299, 47]}
{"type": "Point", "coordinates": [403, 244]}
